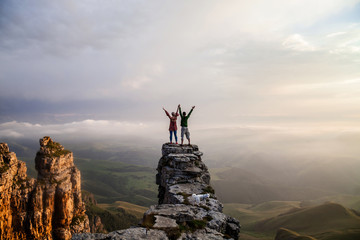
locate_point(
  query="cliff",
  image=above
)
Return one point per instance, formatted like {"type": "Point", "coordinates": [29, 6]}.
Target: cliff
{"type": "Point", "coordinates": [179, 214]}
{"type": "Point", "coordinates": [15, 189]}
{"type": "Point", "coordinates": [95, 222]}
{"type": "Point", "coordinates": [47, 208]}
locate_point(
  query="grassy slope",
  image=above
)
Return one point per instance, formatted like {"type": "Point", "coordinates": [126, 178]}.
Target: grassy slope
{"type": "Point", "coordinates": [313, 219]}
{"type": "Point", "coordinates": [327, 221]}
{"type": "Point", "coordinates": [323, 222]}
{"type": "Point", "coordinates": [115, 181]}
{"type": "Point", "coordinates": [286, 234]}
{"type": "Point", "coordinates": [115, 220]}
{"type": "Point", "coordinates": [349, 201]}
{"type": "Point", "coordinates": [133, 209]}
{"type": "Point", "coordinates": [252, 213]}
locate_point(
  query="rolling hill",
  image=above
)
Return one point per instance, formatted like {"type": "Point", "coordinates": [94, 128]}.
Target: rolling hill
{"type": "Point", "coordinates": [250, 213]}
{"type": "Point", "coordinates": [133, 209]}
{"type": "Point", "coordinates": [116, 181]}
{"type": "Point", "coordinates": [241, 186]}
{"type": "Point", "coordinates": [322, 222]}
{"type": "Point", "coordinates": [286, 234]}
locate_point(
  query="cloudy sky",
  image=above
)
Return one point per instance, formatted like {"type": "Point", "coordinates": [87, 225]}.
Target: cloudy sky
{"type": "Point", "coordinates": [109, 66]}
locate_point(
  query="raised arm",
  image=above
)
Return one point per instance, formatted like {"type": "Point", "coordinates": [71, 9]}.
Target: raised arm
{"type": "Point", "coordinates": [166, 112]}
{"type": "Point", "coordinates": [177, 111]}
{"type": "Point", "coordinates": [191, 111]}
{"type": "Point", "coordinates": [179, 108]}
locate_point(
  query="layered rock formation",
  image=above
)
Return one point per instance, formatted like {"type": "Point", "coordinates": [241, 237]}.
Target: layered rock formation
{"type": "Point", "coordinates": [47, 208]}
{"type": "Point", "coordinates": [179, 215]}
{"type": "Point", "coordinates": [15, 189]}
{"type": "Point", "coordinates": [96, 225]}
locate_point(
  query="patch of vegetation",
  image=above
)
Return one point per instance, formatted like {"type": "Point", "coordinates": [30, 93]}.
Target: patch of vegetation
{"type": "Point", "coordinates": [130, 208]}
{"type": "Point", "coordinates": [56, 149]}
{"type": "Point", "coordinates": [173, 233]}
{"type": "Point", "coordinates": [283, 234]}
{"type": "Point", "coordinates": [208, 189]}
{"type": "Point", "coordinates": [196, 224]}
{"type": "Point", "coordinates": [115, 181]}
{"type": "Point", "coordinates": [148, 221]}
{"type": "Point", "coordinates": [115, 220]}
{"type": "Point", "coordinates": [188, 226]}
{"type": "Point", "coordinates": [77, 220]}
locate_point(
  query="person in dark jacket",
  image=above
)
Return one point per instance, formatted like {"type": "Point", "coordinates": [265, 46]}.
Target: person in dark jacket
{"type": "Point", "coordinates": [184, 124]}
{"type": "Point", "coordinates": [173, 126]}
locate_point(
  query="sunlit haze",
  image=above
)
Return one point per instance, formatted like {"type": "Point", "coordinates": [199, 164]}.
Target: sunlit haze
{"type": "Point", "coordinates": [276, 79]}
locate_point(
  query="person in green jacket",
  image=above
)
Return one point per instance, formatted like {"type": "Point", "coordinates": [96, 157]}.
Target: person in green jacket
{"type": "Point", "coordinates": [184, 124]}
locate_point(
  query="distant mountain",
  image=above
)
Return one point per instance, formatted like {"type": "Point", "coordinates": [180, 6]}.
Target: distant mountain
{"type": "Point", "coordinates": [250, 213]}
{"type": "Point", "coordinates": [323, 222]}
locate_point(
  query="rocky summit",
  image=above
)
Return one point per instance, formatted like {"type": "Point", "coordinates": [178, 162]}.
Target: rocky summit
{"type": "Point", "coordinates": [47, 208]}
{"type": "Point", "coordinates": [188, 207]}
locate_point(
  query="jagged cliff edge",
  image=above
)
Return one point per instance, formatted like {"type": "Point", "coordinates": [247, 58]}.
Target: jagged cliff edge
{"type": "Point", "coordinates": [47, 208]}
{"type": "Point", "coordinates": [178, 215]}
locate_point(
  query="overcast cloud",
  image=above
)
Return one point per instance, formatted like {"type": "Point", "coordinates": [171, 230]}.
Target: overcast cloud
{"type": "Point", "coordinates": [68, 65]}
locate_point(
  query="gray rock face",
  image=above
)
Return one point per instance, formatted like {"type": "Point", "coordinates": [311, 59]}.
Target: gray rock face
{"type": "Point", "coordinates": [179, 215]}
{"type": "Point", "coordinates": [127, 234]}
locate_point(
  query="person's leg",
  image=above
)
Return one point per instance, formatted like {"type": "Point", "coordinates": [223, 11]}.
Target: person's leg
{"type": "Point", "coordinates": [175, 134]}
{"type": "Point", "coordinates": [171, 132]}
{"type": "Point", "coordinates": [188, 135]}
{"type": "Point", "coordinates": [182, 135]}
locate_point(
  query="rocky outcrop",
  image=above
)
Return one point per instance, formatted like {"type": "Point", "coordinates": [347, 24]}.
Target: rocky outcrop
{"type": "Point", "coordinates": [179, 215]}
{"type": "Point", "coordinates": [47, 208]}
{"type": "Point", "coordinates": [15, 189]}
{"type": "Point", "coordinates": [95, 222]}
{"type": "Point", "coordinates": [182, 173]}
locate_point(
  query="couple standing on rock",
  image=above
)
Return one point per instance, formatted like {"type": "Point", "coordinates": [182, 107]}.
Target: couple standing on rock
{"type": "Point", "coordinates": [184, 124]}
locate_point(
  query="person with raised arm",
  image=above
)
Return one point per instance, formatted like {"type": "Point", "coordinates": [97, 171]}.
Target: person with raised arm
{"type": "Point", "coordinates": [173, 126]}
{"type": "Point", "coordinates": [184, 124]}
